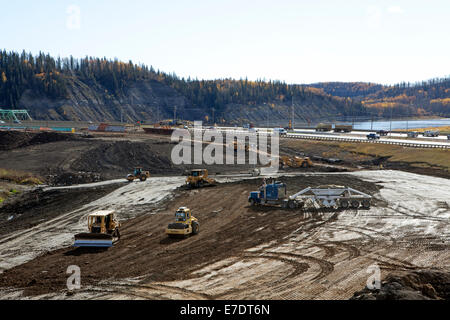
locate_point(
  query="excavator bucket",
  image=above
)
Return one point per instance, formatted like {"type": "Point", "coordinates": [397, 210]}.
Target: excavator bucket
{"type": "Point", "coordinates": [99, 240]}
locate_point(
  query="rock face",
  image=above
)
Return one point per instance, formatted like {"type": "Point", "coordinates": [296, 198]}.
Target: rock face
{"type": "Point", "coordinates": [417, 285]}
{"type": "Point", "coordinates": [152, 101]}
{"type": "Point", "coordinates": [143, 100]}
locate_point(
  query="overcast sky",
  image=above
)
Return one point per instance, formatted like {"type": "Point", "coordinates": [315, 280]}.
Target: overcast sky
{"type": "Point", "coordinates": [294, 41]}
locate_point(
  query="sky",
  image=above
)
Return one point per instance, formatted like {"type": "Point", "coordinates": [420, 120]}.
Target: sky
{"type": "Point", "coordinates": [293, 41]}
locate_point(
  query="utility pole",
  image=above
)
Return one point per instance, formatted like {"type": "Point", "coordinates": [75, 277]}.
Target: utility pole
{"type": "Point", "coordinates": [175, 114]}
{"type": "Point", "coordinates": [292, 117]}
{"type": "Point", "coordinates": [214, 114]}
{"type": "Point", "coordinates": [390, 127]}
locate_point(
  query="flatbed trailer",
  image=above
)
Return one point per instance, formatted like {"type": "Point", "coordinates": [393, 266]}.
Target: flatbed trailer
{"type": "Point", "coordinates": [329, 197]}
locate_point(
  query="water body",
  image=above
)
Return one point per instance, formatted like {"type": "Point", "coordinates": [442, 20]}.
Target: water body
{"type": "Point", "coordinates": [401, 124]}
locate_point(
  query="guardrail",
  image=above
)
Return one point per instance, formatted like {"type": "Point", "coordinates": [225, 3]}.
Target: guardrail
{"type": "Point", "coordinates": [340, 139]}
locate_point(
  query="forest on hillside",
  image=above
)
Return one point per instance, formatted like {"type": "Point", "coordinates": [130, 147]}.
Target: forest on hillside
{"type": "Point", "coordinates": [50, 77]}
{"type": "Point", "coordinates": [424, 98]}
{"type": "Point", "coordinates": [111, 83]}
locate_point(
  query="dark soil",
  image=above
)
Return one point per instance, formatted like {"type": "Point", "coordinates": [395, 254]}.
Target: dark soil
{"type": "Point", "coordinates": [10, 140]}
{"type": "Point", "coordinates": [227, 228]}
{"type": "Point", "coordinates": [31, 208]}
{"type": "Point", "coordinates": [417, 285]}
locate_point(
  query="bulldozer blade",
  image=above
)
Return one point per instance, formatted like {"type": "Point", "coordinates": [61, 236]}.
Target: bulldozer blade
{"type": "Point", "coordinates": [93, 240]}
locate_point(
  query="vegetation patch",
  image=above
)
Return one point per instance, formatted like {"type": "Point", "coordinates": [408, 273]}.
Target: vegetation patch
{"type": "Point", "coordinates": [20, 178]}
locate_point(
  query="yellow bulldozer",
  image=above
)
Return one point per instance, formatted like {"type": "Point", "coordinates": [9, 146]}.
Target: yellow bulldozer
{"type": "Point", "coordinates": [185, 224]}
{"type": "Point", "coordinates": [295, 162]}
{"type": "Point", "coordinates": [103, 230]}
{"type": "Point", "coordinates": [199, 178]}
{"type": "Point", "coordinates": [138, 173]}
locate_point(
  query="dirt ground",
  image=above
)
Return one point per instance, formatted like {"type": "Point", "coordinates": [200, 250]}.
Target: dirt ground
{"type": "Point", "coordinates": [243, 252]}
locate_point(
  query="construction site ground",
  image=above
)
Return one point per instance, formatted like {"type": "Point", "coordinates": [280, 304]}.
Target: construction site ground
{"type": "Point", "coordinates": [241, 252]}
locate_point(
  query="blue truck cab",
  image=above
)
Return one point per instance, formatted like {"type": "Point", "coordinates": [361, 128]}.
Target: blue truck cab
{"type": "Point", "coordinates": [272, 193]}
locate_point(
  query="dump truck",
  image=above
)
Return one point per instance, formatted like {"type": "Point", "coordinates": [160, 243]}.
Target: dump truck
{"type": "Point", "coordinates": [103, 230]}
{"type": "Point", "coordinates": [322, 127]}
{"type": "Point", "coordinates": [138, 173]}
{"type": "Point", "coordinates": [185, 224]}
{"type": "Point", "coordinates": [295, 162]}
{"type": "Point", "coordinates": [343, 128]}
{"type": "Point", "coordinates": [199, 178]}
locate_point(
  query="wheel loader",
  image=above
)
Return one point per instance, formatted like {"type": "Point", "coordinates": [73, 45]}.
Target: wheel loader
{"type": "Point", "coordinates": [103, 230]}
{"type": "Point", "coordinates": [185, 224]}
{"type": "Point", "coordinates": [295, 162]}
{"type": "Point", "coordinates": [199, 178]}
{"type": "Point", "coordinates": [138, 174]}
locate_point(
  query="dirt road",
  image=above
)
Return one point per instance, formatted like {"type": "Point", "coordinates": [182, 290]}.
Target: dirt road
{"type": "Point", "coordinates": [241, 252]}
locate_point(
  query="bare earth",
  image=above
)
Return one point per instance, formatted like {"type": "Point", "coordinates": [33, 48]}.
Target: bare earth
{"type": "Point", "coordinates": [241, 252]}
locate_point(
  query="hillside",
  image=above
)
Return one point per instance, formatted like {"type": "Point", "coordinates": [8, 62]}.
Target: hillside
{"type": "Point", "coordinates": [427, 98]}
{"type": "Point", "coordinates": [104, 90]}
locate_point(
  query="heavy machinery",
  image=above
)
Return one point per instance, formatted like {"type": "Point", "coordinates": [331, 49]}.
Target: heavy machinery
{"type": "Point", "coordinates": [103, 230]}
{"type": "Point", "coordinates": [273, 193]}
{"type": "Point", "coordinates": [138, 174]}
{"type": "Point", "coordinates": [329, 197]}
{"type": "Point", "coordinates": [335, 197]}
{"type": "Point", "coordinates": [295, 162]}
{"type": "Point", "coordinates": [323, 127]}
{"type": "Point", "coordinates": [343, 128]}
{"type": "Point", "coordinates": [185, 224]}
{"type": "Point", "coordinates": [199, 178]}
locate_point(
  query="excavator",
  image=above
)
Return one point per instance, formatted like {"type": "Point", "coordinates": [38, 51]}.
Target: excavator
{"type": "Point", "coordinates": [103, 230]}
{"type": "Point", "coordinates": [199, 178]}
{"type": "Point", "coordinates": [185, 224]}
{"type": "Point", "coordinates": [295, 162]}
{"type": "Point", "coordinates": [138, 173]}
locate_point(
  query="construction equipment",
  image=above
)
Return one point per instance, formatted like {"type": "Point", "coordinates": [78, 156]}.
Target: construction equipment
{"type": "Point", "coordinates": [103, 230]}
{"type": "Point", "coordinates": [329, 197]}
{"type": "Point", "coordinates": [199, 178]}
{"type": "Point", "coordinates": [323, 196]}
{"type": "Point", "coordinates": [184, 225]}
{"type": "Point", "coordinates": [138, 174]}
{"type": "Point", "coordinates": [269, 194]}
{"type": "Point", "coordinates": [295, 162]}
{"type": "Point", "coordinates": [322, 127]}
{"type": "Point", "coordinates": [343, 128]}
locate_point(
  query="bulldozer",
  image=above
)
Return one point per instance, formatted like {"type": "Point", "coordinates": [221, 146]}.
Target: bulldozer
{"type": "Point", "coordinates": [295, 162]}
{"type": "Point", "coordinates": [185, 224]}
{"type": "Point", "coordinates": [103, 230]}
{"type": "Point", "coordinates": [138, 174]}
{"type": "Point", "coordinates": [199, 178]}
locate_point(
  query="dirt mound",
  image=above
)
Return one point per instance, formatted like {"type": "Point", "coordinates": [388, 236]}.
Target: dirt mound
{"type": "Point", "coordinates": [36, 206]}
{"type": "Point", "coordinates": [417, 285]}
{"type": "Point", "coordinates": [113, 158]}
{"type": "Point", "coordinates": [10, 140]}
